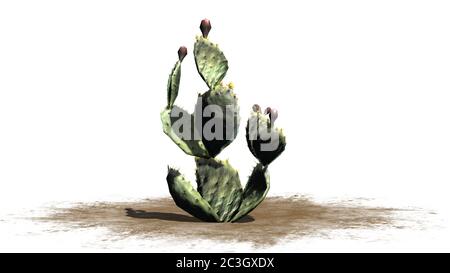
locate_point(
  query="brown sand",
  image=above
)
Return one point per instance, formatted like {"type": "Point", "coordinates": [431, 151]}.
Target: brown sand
{"type": "Point", "coordinates": [276, 218]}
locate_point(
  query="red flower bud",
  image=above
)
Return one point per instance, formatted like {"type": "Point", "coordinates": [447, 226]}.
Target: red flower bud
{"type": "Point", "coordinates": [273, 114]}
{"type": "Point", "coordinates": [256, 108]}
{"type": "Point", "coordinates": [205, 27]}
{"type": "Point", "coordinates": [182, 52]}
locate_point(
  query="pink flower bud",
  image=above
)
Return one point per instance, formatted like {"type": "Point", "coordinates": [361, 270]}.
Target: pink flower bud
{"type": "Point", "coordinates": [273, 114]}
{"type": "Point", "coordinates": [256, 108]}
{"type": "Point", "coordinates": [205, 27]}
{"type": "Point", "coordinates": [182, 52]}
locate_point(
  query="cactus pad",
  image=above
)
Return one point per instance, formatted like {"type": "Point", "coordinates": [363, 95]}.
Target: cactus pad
{"type": "Point", "coordinates": [255, 191]}
{"type": "Point", "coordinates": [187, 198]}
{"type": "Point", "coordinates": [257, 125]}
{"type": "Point", "coordinates": [211, 62]}
{"type": "Point", "coordinates": [189, 146]}
{"type": "Point", "coordinates": [173, 84]}
{"type": "Point", "coordinates": [220, 186]}
{"type": "Point", "coordinates": [227, 118]}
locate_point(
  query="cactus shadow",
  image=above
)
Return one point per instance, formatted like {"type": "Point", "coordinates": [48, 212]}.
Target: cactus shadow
{"type": "Point", "coordinates": [246, 219]}
{"type": "Point", "coordinates": [170, 216]}
{"type": "Point", "coordinates": [166, 216]}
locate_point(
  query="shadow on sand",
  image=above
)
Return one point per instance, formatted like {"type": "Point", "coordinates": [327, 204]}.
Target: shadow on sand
{"type": "Point", "coordinates": [170, 216]}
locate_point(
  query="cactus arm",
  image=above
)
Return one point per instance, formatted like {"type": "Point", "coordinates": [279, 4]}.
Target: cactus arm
{"type": "Point", "coordinates": [187, 198]}
{"type": "Point", "coordinates": [210, 61]}
{"type": "Point", "coordinates": [228, 119]}
{"type": "Point", "coordinates": [255, 191]}
{"type": "Point", "coordinates": [220, 186]}
{"type": "Point", "coordinates": [256, 124]}
{"type": "Point", "coordinates": [173, 84]}
{"type": "Point", "coordinates": [191, 147]}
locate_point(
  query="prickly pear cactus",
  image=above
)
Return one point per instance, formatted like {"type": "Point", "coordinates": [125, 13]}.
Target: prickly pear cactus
{"type": "Point", "coordinates": [213, 126]}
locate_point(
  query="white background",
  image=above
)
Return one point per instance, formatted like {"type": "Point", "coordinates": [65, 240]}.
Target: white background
{"type": "Point", "coordinates": [362, 88]}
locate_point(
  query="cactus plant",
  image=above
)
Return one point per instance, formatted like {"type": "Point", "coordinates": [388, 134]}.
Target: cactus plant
{"type": "Point", "coordinates": [219, 196]}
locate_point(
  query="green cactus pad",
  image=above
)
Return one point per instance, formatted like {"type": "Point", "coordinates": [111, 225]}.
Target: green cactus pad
{"type": "Point", "coordinates": [228, 118]}
{"type": "Point", "coordinates": [187, 198]}
{"type": "Point", "coordinates": [191, 147]}
{"type": "Point", "coordinates": [173, 84]}
{"type": "Point", "coordinates": [220, 186]}
{"type": "Point", "coordinates": [255, 191]}
{"type": "Point", "coordinates": [222, 95]}
{"type": "Point", "coordinates": [262, 123]}
{"type": "Point", "coordinates": [211, 62]}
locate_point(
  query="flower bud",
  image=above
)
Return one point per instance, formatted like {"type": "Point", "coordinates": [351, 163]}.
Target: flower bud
{"type": "Point", "coordinates": [273, 114]}
{"type": "Point", "coordinates": [182, 52]}
{"type": "Point", "coordinates": [256, 108]}
{"type": "Point", "coordinates": [205, 27]}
